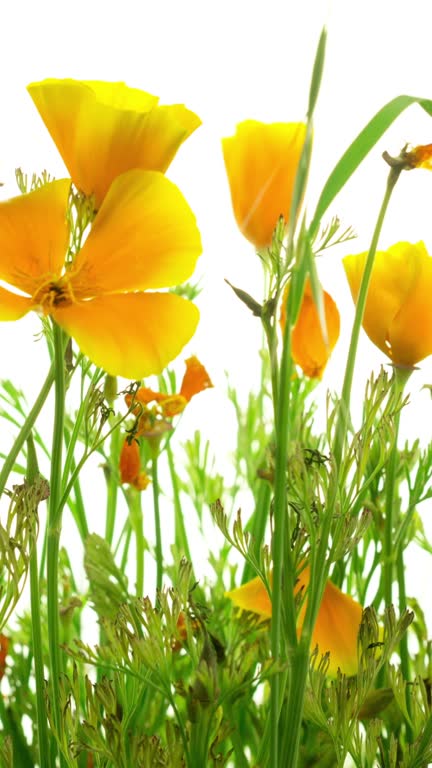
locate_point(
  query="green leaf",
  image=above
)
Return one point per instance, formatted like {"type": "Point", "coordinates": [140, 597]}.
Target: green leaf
{"type": "Point", "coordinates": [358, 150]}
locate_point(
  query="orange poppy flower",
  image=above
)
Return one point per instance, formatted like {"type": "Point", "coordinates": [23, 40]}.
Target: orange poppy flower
{"type": "Point", "coordinates": [337, 624]}
{"type": "Point", "coordinates": [398, 311]}
{"type": "Point", "coordinates": [261, 162]}
{"type": "Point", "coordinates": [144, 237]}
{"type": "Point", "coordinates": [308, 346]}
{"type": "Point", "coordinates": [104, 129]}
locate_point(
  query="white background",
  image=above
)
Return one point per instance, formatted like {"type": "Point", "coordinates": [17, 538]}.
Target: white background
{"type": "Point", "coordinates": [231, 60]}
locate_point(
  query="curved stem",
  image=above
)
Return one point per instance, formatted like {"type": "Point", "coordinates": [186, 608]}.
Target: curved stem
{"type": "Point", "coordinates": [344, 405]}
{"type": "Point", "coordinates": [54, 529]}
{"type": "Point", "coordinates": [26, 429]}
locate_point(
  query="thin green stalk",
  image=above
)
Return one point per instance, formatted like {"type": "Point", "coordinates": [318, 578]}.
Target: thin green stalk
{"type": "Point", "coordinates": [112, 484]}
{"type": "Point", "coordinates": [158, 534]}
{"type": "Point", "coordinates": [400, 377]}
{"type": "Point", "coordinates": [26, 429]}
{"type": "Point", "coordinates": [181, 540]}
{"type": "Point", "coordinates": [35, 599]}
{"type": "Point", "coordinates": [137, 522]}
{"type": "Point", "coordinates": [344, 405]}
{"type": "Point", "coordinates": [54, 530]}
{"type": "Point", "coordinates": [390, 489]}
{"type": "Point", "coordinates": [282, 434]}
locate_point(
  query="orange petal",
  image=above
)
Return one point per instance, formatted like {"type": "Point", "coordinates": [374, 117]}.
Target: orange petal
{"type": "Point", "coordinates": [420, 157]}
{"type": "Point", "coordinates": [104, 129]}
{"type": "Point", "coordinates": [132, 334]}
{"type": "Point", "coordinates": [144, 236]}
{"type": "Point", "coordinates": [308, 347]}
{"type": "Point", "coordinates": [130, 461]}
{"type": "Point", "coordinates": [336, 630]}
{"type": "Point", "coordinates": [398, 303]}
{"type": "Point", "coordinates": [252, 596]}
{"type": "Point", "coordinates": [337, 624]}
{"type": "Point", "coordinates": [12, 306]}
{"type": "Point", "coordinates": [261, 161]}
{"type": "Point", "coordinates": [34, 236]}
{"type": "Point", "coordinates": [195, 380]}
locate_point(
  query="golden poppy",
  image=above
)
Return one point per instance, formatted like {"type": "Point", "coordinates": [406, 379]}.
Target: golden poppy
{"type": "Point", "coordinates": [308, 347]}
{"type": "Point", "coordinates": [144, 237]}
{"type": "Point", "coordinates": [261, 162]}
{"type": "Point", "coordinates": [398, 311]}
{"type": "Point", "coordinates": [104, 129]}
{"type": "Point", "coordinates": [336, 627]}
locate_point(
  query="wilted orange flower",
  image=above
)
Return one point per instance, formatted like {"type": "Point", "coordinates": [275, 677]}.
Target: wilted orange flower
{"type": "Point", "coordinates": [398, 312]}
{"type": "Point", "coordinates": [104, 129]}
{"type": "Point", "coordinates": [337, 625]}
{"type": "Point", "coordinates": [130, 466]}
{"type": "Point", "coordinates": [308, 346]}
{"type": "Point", "coordinates": [4, 648]}
{"type": "Point", "coordinates": [144, 237]}
{"type": "Point", "coordinates": [195, 380]}
{"type": "Point", "coordinates": [261, 161]}
{"type": "Point", "coordinates": [420, 157]}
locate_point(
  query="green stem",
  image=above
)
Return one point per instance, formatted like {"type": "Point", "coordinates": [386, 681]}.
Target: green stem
{"type": "Point", "coordinates": [137, 521]}
{"type": "Point", "coordinates": [344, 405]}
{"type": "Point", "coordinates": [112, 481]}
{"type": "Point", "coordinates": [26, 428]}
{"type": "Point", "coordinates": [35, 598]}
{"type": "Point", "coordinates": [181, 540]}
{"type": "Point", "coordinates": [400, 377]}
{"type": "Point", "coordinates": [54, 529]}
{"type": "Point", "coordinates": [282, 422]}
{"type": "Point", "coordinates": [158, 534]}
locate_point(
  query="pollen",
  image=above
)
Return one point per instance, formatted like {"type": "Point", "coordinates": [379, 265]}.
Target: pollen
{"type": "Point", "coordinates": [53, 294]}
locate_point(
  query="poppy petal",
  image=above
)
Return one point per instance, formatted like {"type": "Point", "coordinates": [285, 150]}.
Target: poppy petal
{"type": "Point", "coordinates": [104, 129]}
{"type": "Point", "coordinates": [144, 236]}
{"type": "Point", "coordinates": [34, 236]}
{"type": "Point", "coordinates": [131, 335]}
{"type": "Point", "coordinates": [12, 306]}
{"type": "Point", "coordinates": [195, 380]}
{"type": "Point", "coordinates": [261, 161]}
{"type": "Point", "coordinates": [394, 283]}
{"type": "Point", "coordinates": [309, 349]}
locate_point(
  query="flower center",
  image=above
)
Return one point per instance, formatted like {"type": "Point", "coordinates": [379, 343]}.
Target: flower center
{"type": "Point", "coordinates": [54, 294]}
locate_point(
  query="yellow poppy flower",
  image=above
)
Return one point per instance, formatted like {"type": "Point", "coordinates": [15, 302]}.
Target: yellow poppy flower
{"type": "Point", "coordinates": [398, 312]}
{"type": "Point", "coordinates": [144, 237]}
{"type": "Point", "coordinates": [261, 161]}
{"type": "Point", "coordinates": [104, 129]}
{"type": "Point", "coordinates": [337, 624]}
{"type": "Point", "coordinates": [308, 347]}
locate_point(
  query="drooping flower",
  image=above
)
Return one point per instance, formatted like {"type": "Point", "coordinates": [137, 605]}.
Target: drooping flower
{"type": "Point", "coordinates": [261, 161]}
{"type": "Point", "coordinates": [398, 312]}
{"type": "Point", "coordinates": [144, 237]}
{"type": "Point", "coordinates": [309, 349]}
{"type": "Point", "coordinates": [337, 624]}
{"type": "Point", "coordinates": [419, 157]}
{"type": "Point", "coordinates": [130, 466]}
{"type": "Point", "coordinates": [195, 380]}
{"type": "Point", "coordinates": [104, 129]}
